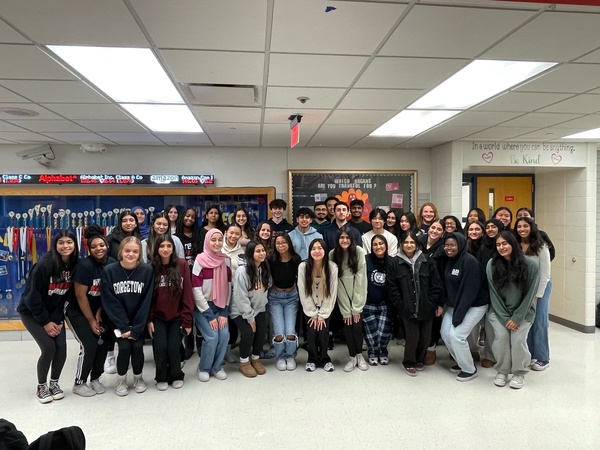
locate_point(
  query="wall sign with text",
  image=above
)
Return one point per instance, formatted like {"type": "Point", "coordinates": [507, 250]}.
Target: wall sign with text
{"type": "Point", "coordinates": [524, 154]}
{"type": "Point", "coordinates": [89, 179]}
{"type": "Point", "coordinates": [396, 189]}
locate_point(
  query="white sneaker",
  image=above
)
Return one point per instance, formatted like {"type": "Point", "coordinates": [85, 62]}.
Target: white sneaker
{"type": "Point", "coordinates": [121, 387]}
{"type": "Point", "coordinates": [83, 390]}
{"type": "Point", "coordinates": [162, 386]}
{"type": "Point", "coordinates": [329, 367]}
{"type": "Point", "coordinates": [281, 364]}
{"type": "Point", "coordinates": [177, 384]}
{"type": "Point", "coordinates": [500, 380]}
{"type": "Point", "coordinates": [310, 367]}
{"type": "Point", "coordinates": [110, 365]}
{"type": "Point", "coordinates": [290, 363]}
{"type": "Point", "coordinates": [517, 381]}
{"type": "Point", "coordinates": [203, 376]}
{"type": "Point", "coordinates": [349, 367]}
{"type": "Point", "coordinates": [139, 384]}
{"type": "Point", "coordinates": [221, 375]}
{"type": "Point", "coordinates": [361, 363]}
{"type": "Point", "coordinates": [97, 386]}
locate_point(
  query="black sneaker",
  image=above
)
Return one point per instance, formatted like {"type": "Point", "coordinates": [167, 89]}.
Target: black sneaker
{"type": "Point", "coordinates": [464, 376]}
{"type": "Point", "coordinates": [43, 394]}
{"type": "Point", "coordinates": [55, 390]}
{"type": "Point", "coordinates": [455, 369]}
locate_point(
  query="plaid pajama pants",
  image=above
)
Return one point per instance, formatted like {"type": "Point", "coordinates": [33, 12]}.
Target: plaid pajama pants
{"type": "Point", "coordinates": [378, 329]}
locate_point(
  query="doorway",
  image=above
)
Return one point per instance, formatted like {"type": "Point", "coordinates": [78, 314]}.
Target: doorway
{"type": "Point", "coordinates": [491, 191]}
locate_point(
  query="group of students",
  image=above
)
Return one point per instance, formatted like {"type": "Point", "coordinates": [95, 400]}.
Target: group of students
{"type": "Point", "coordinates": [224, 281]}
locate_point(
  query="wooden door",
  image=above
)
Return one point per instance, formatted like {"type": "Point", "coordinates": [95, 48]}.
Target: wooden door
{"type": "Point", "coordinates": [513, 192]}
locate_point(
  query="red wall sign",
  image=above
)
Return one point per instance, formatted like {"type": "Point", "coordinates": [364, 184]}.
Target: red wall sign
{"type": "Point", "coordinates": [509, 198]}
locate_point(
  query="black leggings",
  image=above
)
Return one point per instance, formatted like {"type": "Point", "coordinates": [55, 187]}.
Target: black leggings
{"type": "Point", "coordinates": [130, 349]}
{"type": "Point", "coordinates": [54, 349]}
{"type": "Point", "coordinates": [165, 346]}
{"type": "Point", "coordinates": [354, 336]}
{"type": "Point", "coordinates": [252, 342]}
{"type": "Point", "coordinates": [91, 354]}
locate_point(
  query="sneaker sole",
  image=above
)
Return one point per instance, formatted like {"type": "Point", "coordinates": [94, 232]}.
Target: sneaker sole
{"type": "Point", "coordinates": [512, 386]}
{"type": "Point", "coordinates": [44, 400]}
{"type": "Point", "coordinates": [472, 377]}
{"type": "Point", "coordinates": [58, 396]}
{"type": "Point", "coordinates": [500, 383]}
{"type": "Point", "coordinates": [539, 368]}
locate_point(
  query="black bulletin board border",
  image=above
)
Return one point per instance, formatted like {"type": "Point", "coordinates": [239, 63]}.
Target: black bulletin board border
{"type": "Point", "coordinates": [377, 188]}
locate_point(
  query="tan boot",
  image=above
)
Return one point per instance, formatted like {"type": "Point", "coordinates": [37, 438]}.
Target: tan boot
{"type": "Point", "coordinates": [430, 358]}
{"type": "Point", "coordinates": [247, 369]}
{"type": "Point", "coordinates": [258, 367]}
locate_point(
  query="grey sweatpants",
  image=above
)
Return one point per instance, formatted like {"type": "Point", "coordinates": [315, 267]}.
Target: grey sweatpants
{"type": "Point", "coordinates": [510, 347]}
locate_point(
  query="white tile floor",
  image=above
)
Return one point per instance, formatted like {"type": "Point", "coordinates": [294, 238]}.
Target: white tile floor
{"type": "Point", "coordinates": [382, 408]}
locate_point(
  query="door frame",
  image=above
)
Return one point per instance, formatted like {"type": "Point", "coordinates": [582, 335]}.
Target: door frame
{"type": "Point", "coordinates": [471, 178]}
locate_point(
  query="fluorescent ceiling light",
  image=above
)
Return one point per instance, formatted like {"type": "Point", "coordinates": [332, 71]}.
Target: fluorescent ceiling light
{"type": "Point", "coordinates": [409, 123]}
{"type": "Point", "coordinates": [480, 80]}
{"type": "Point", "coordinates": [589, 134]}
{"type": "Point", "coordinates": [131, 75]}
{"type": "Point", "coordinates": [165, 118]}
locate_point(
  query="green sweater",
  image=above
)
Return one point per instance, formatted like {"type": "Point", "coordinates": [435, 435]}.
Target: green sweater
{"type": "Point", "coordinates": [509, 303]}
{"type": "Point", "coordinates": [352, 288]}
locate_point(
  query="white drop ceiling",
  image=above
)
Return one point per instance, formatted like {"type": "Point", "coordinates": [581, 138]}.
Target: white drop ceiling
{"type": "Point", "coordinates": [359, 64]}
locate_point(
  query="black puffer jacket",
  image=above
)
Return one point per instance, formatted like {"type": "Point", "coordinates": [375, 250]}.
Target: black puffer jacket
{"type": "Point", "coordinates": [414, 289]}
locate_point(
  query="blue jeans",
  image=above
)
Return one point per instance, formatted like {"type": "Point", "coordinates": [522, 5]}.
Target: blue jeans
{"type": "Point", "coordinates": [456, 337]}
{"type": "Point", "coordinates": [283, 309]}
{"type": "Point", "coordinates": [537, 340]}
{"type": "Point", "coordinates": [214, 345]}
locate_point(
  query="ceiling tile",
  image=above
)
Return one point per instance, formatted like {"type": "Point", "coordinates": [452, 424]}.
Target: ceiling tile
{"type": "Point", "coordinates": [9, 97]}
{"type": "Point", "coordinates": [521, 101]}
{"type": "Point", "coordinates": [43, 113]}
{"type": "Point", "coordinates": [190, 66]}
{"type": "Point", "coordinates": [450, 32]}
{"type": "Point", "coordinates": [547, 134]}
{"type": "Point", "coordinates": [397, 99]}
{"type": "Point", "coordinates": [499, 133]}
{"type": "Point", "coordinates": [592, 57]}
{"type": "Point", "coordinates": [223, 114]}
{"type": "Point", "coordinates": [25, 137]}
{"type": "Point", "coordinates": [408, 73]}
{"type": "Point", "coordinates": [356, 117]}
{"type": "Point", "coordinates": [206, 24]}
{"type": "Point", "coordinates": [584, 123]}
{"type": "Point", "coordinates": [235, 140]}
{"type": "Point", "coordinates": [540, 120]}
{"type": "Point", "coordinates": [184, 138]}
{"type": "Point", "coordinates": [54, 91]}
{"type": "Point", "coordinates": [88, 111]}
{"type": "Point", "coordinates": [366, 24]}
{"type": "Point", "coordinates": [445, 133]}
{"type": "Point", "coordinates": [30, 63]}
{"type": "Point", "coordinates": [131, 138]}
{"type": "Point", "coordinates": [481, 118]}
{"type": "Point", "coordinates": [6, 126]}
{"type": "Point", "coordinates": [309, 116]}
{"type": "Point", "coordinates": [229, 127]}
{"type": "Point", "coordinates": [41, 126]}
{"type": "Point", "coordinates": [544, 38]}
{"type": "Point", "coordinates": [339, 135]}
{"type": "Point", "coordinates": [9, 36]}
{"type": "Point", "coordinates": [573, 78]}
{"type": "Point", "coordinates": [75, 22]}
{"type": "Point", "coordinates": [77, 138]}
{"type": "Point", "coordinates": [314, 70]}
{"type": "Point", "coordinates": [379, 142]}
{"type": "Point", "coordinates": [115, 126]}
{"type": "Point", "coordinates": [287, 97]}
{"type": "Point", "coordinates": [580, 104]}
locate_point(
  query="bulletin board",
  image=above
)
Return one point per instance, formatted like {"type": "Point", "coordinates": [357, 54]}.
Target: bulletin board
{"type": "Point", "coordinates": [378, 189]}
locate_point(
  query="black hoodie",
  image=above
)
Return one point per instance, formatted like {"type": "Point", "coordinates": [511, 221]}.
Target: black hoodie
{"type": "Point", "coordinates": [462, 276]}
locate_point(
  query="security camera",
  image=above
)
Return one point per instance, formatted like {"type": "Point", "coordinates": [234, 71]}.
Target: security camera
{"type": "Point", "coordinates": [303, 100]}
{"type": "Point", "coordinates": [37, 153]}
{"type": "Point", "coordinates": [92, 148]}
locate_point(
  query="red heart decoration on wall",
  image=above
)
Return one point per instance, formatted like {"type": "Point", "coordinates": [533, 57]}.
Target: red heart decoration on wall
{"type": "Point", "coordinates": [487, 157]}
{"type": "Point", "coordinates": [556, 158]}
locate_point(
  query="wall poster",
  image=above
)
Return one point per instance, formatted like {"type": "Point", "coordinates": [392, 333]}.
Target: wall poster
{"type": "Point", "coordinates": [378, 189]}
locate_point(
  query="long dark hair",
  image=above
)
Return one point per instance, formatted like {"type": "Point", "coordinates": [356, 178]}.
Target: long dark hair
{"type": "Point", "coordinates": [515, 270]}
{"type": "Point", "coordinates": [268, 244]}
{"type": "Point", "coordinates": [505, 208]}
{"type": "Point", "coordinates": [386, 255]}
{"type": "Point", "coordinates": [170, 271]}
{"type": "Point", "coordinates": [395, 230]}
{"type": "Point", "coordinates": [151, 242]}
{"type": "Point", "coordinates": [295, 257]}
{"type": "Point", "coordinates": [412, 221]}
{"type": "Point", "coordinates": [220, 225]}
{"type": "Point", "coordinates": [535, 240]}
{"type": "Point", "coordinates": [310, 264]}
{"type": "Point", "coordinates": [118, 230]}
{"type": "Point", "coordinates": [169, 208]}
{"type": "Point", "coordinates": [56, 263]}
{"type": "Point", "coordinates": [459, 228]}
{"type": "Point", "coordinates": [473, 245]}
{"type": "Point", "coordinates": [339, 252]}
{"type": "Point", "coordinates": [258, 274]}
{"type": "Point", "coordinates": [179, 231]}
{"type": "Point", "coordinates": [247, 228]}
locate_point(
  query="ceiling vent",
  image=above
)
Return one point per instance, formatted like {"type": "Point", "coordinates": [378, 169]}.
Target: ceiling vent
{"type": "Point", "coordinates": [222, 94]}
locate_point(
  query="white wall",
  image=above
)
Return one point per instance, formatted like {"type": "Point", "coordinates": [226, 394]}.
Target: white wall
{"type": "Point", "coordinates": [446, 179]}
{"type": "Point", "coordinates": [231, 166]}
